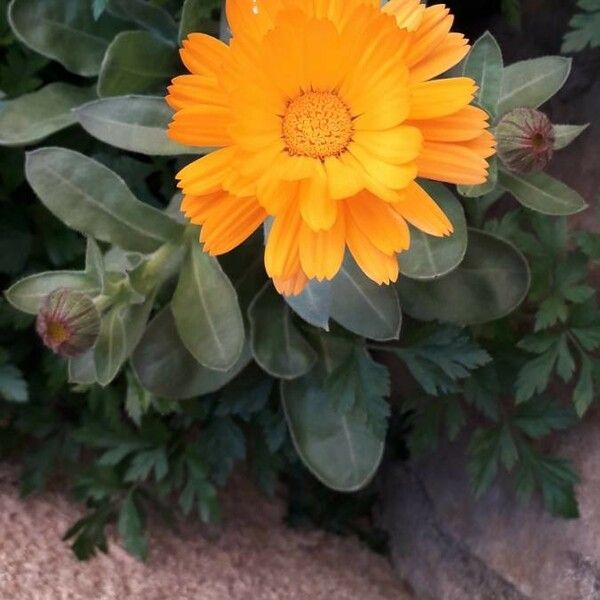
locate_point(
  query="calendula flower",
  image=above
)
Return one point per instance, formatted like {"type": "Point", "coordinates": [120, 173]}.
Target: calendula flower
{"type": "Point", "coordinates": [326, 113]}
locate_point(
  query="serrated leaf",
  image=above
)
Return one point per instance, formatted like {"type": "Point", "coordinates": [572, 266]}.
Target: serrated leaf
{"type": "Point", "coordinates": [137, 62]}
{"type": "Point", "coordinates": [529, 83]}
{"type": "Point", "coordinates": [430, 257]}
{"type": "Point", "coordinates": [131, 528]}
{"type": "Point", "coordinates": [583, 394]}
{"type": "Point", "coordinates": [207, 313]}
{"type": "Point", "coordinates": [94, 200]}
{"type": "Point", "coordinates": [277, 345]}
{"type": "Point", "coordinates": [542, 416]}
{"type": "Point", "coordinates": [133, 123]}
{"type": "Point", "coordinates": [550, 311]}
{"type": "Point", "coordinates": [31, 118]}
{"type": "Point", "coordinates": [542, 193]}
{"type": "Point", "coordinates": [534, 376]}
{"type": "Point", "coordinates": [364, 307]}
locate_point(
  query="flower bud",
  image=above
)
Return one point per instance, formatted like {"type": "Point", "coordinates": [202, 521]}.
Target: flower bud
{"type": "Point", "coordinates": [68, 322]}
{"type": "Point", "coordinates": [525, 138]}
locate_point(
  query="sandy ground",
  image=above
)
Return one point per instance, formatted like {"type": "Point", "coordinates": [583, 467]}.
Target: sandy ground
{"type": "Point", "coordinates": [253, 556]}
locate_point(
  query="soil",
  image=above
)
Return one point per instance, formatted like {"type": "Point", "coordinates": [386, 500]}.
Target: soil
{"type": "Point", "coordinates": [253, 556]}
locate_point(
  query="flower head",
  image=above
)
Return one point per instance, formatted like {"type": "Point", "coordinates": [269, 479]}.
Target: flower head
{"type": "Point", "coordinates": [68, 322]}
{"type": "Point", "coordinates": [525, 140]}
{"type": "Point", "coordinates": [326, 113]}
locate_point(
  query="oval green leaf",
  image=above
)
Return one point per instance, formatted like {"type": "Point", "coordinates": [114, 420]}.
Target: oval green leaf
{"type": "Point", "coordinates": [313, 304]}
{"type": "Point", "coordinates": [340, 450]}
{"type": "Point", "coordinates": [145, 14]}
{"type": "Point", "coordinates": [430, 257]}
{"type": "Point", "coordinates": [33, 117]}
{"type": "Point", "coordinates": [543, 193]}
{"type": "Point", "coordinates": [195, 16]}
{"type": "Point", "coordinates": [567, 134]}
{"type": "Point", "coordinates": [137, 62]}
{"type": "Point", "coordinates": [484, 64]}
{"type": "Point", "coordinates": [64, 31]}
{"type": "Point", "coordinates": [206, 311]}
{"type": "Point", "coordinates": [110, 351]}
{"type": "Point", "coordinates": [490, 283]}
{"type": "Point", "coordinates": [133, 123]}
{"type": "Point", "coordinates": [89, 197]}
{"type": "Point", "coordinates": [165, 368]}
{"type": "Point", "coordinates": [277, 345]}
{"type": "Point", "coordinates": [362, 306]}
{"type": "Point", "coordinates": [27, 294]}
{"type": "Point", "coordinates": [529, 83]}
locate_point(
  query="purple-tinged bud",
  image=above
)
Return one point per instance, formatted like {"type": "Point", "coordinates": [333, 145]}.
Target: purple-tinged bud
{"type": "Point", "coordinates": [525, 138]}
{"type": "Point", "coordinates": [68, 322]}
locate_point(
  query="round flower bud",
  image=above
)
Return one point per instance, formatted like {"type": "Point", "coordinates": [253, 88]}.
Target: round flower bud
{"type": "Point", "coordinates": [525, 138]}
{"type": "Point", "coordinates": [68, 322]}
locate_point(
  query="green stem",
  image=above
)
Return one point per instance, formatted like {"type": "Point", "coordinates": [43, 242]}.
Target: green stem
{"type": "Point", "coordinates": [161, 265]}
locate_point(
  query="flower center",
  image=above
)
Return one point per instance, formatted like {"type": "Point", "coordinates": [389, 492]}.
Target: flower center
{"type": "Point", "coordinates": [57, 332]}
{"type": "Point", "coordinates": [317, 124]}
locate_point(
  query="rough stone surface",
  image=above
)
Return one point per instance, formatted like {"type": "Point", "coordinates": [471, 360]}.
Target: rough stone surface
{"type": "Point", "coordinates": [450, 546]}
{"type": "Point", "coordinates": [252, 557]}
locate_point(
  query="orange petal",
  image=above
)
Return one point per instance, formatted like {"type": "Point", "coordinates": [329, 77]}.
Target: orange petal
{"type": "Point", "coordinates": [451, 163]}
{"type": "Point", "coordinates": [201, 125]}
{"type": "Point", "coordinates": [420, 210]}
{"type": "Point", "coordinates": [396, 146]}
{"type": "Point", "coordinates": [381, 268]}
{"type": "Point", "coordinates": [231, 221]}
{"type": "Point", "coordinates": [441, 97]}
{"type": "Point", "coordinates": [484, 145]}
{"type": "Point", "coordinates": [291, 286]}
{"type": "Point", "coordinates": [384, 227]}
{"type": "Point", "coordinates": [282, 258]}
{"type": "Point", "coordinates": [322, 252]}
{"type": "Point", "coordinates": [318, 208]}
{"type": "Point", "coordinates": [191, 90]}
{"type": "Point", "coordinates": [203, 54]}
{"type": "Point", "coordinates": [447, 54]}
{"type": "Point", "coordinates": [206, 174]}
{"type": "Point", "coordinates": [466, 124]}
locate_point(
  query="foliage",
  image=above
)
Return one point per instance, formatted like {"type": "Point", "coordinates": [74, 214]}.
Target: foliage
{"type": "Point", "coordinates": [585, 28]}
{"type": "Point", "coordinates": [200, 366]}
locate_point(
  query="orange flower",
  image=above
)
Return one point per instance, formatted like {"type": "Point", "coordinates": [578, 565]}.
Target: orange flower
{"type": "Point", "coordinates": [326, 115]}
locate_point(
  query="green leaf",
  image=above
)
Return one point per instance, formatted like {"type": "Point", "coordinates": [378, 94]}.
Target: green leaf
{"type": "Point", "coordinates": [33, 117]}
{"type": "Point", "coordinates": [137, 62]}
{"type": "Point", "coordinates": [490, 283]}
{"type": "Point", "coordinates": [477, 191]}
{"type": "Point", "coordinates": [145, 14]}
{"type": "Point", "coordinates": [277, 345]}
{"type": "Point", "coordinates": [92, 199]}
{"type": "Point", "coordinates": [585, 29]}
{"type": "Point", "coordinates": [110, 351]}
{"type": "Point", "coordinates": [542, 193]}
{"type": "Point", "coordinates": [430, 257]}
{"type": "Point", "coordinates": [133, 123]}
{"type": "Point", "coordinates": [165, 368]}
{"type": "Point", "coordinates": [28, 294]}
{"type": "Point", "coordinates": [442, 358]}
{"type": "Point", "coordinates": [13, 386]}
{"type": "Point", "coordinates": [314, 303]}
{"type": "Point", "coordinates": [82, 369]}
{"type": "Point", "coordinates": [98, 7]}
{"type": "Point", "coordinates": [363, 384]}
{"type": "Point", "coordinates": [207, 313]}
{"type": "Point", "coordinates": [583, 394]}
{"type": "Point", "coordinates": [550, 311]}
{"type": "Point", "coordinates": [529, 83]}
{"type": "Point", "coordinates": [340, 450]}
{"type": "Point", "coordinates": [64, 31]}
{"type": "Point", "coordinates": [131, 528]}
{"type": "Point", "coordinates": [364, 307]}
{"type": "Point", "coordinates": [542, 416]}
{"type": "Point", "coordinates": [484, 453]}
{"type": "Point", "coordinates": [194, 15]}
{"type": "Point", "coordinates": [534, 376]}
{"type": "Point", "coordinates": [484, 64]}
{"type": "Point", "coordinates": [567, 134]}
